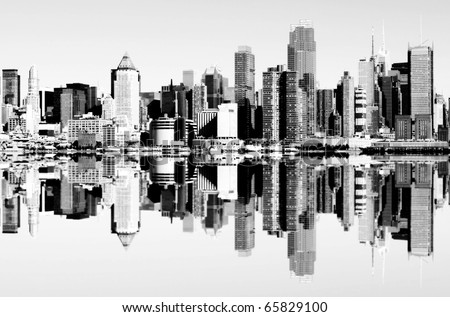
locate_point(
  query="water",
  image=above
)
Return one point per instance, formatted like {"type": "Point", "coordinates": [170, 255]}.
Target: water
{"type": "Point", "coordinates": [137, 226]}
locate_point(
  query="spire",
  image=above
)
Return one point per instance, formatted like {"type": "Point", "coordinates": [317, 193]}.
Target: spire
{"type": "Point", "coordinates": [126, 62]}
{"type": "Point", "coordinates": [383, 44]}
{"type": "Point", "coordinates": [373, 42]}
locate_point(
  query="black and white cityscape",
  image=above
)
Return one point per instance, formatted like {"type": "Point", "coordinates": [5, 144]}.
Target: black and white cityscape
{"type": "Point", "coordinates": [257, 181]}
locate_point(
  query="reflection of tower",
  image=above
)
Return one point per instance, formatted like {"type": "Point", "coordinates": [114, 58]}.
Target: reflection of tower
{"type": "Point", "coordinates": [32, 186]}
{"type": "Point", "coordinates": [345, 198]}
{"type": "Point", "coordinates": [421, 222]}
{"type": "Point", "coordinates": [367, 218]}
{"type": "Point", "coordinates": [11, 208]}
{"type": "Point", "coordinates": [271, 199]}
{"type": "Point", "coordinates": [302, 242]}
{"type": "Point", "coordinates": [126, 216]}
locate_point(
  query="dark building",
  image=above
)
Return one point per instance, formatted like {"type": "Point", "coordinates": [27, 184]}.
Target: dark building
{"type": "Point", "coordinates": [403, 68]}
{"type": "Point", "coordinates": [391, 103]}
{"type": "Point", "coordinates": [213, 81]}
{"type": "Point", "coordinates": [325, 107]}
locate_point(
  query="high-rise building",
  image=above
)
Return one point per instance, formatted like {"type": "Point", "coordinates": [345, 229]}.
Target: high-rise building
{"type": "Point", "coordinates": [271, 103]}
{"type": "Point", "coordinates": [33, 115]}
{"type": "Point", "coordinates": [213, 80]}
{"type": "Point", "coordinates": [366, 81]}
{"type": "Point", "coordinates": [360, 111]}
{"type": "Point", "coordinates": [125, 89]}
{"type": "Point", "coordinates": [420, 60]}
{"type": "Point", "coordinates": [391, 103]}
{"type": "Point", "coordinates": [188, 79]}
{"type": "Point", "coordinates": [10, 93]}
{"type": "Point", "coordinates": [345, 104]}
{"type": "Point", "coordinates": [302, 59]}
{"type": "Point", "coordinates": [292, 126]}
{"type": "Point", "coordinates": [403, 70]}
{"type": "Point", "coordinates": [244, 90]}
{"type": "Point", "coordinates": [70, 103]}
{"type": "Point", "coordinates": [302, 48]}
{"type": "Point", "coordinates": [325, 107]}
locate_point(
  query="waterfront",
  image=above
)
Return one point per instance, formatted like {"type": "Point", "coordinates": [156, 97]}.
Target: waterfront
{"type": "Point", "coordinates": [140, 226]}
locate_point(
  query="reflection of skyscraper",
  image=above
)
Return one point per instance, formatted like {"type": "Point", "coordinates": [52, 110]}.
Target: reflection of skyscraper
{"type": "Point", "coordinates": [126, 216]}
{"type": "Point", "coordinates": [271, 198]}
{"type": "Point", "coordinates": [421, 222]}
{"type": "Point", "coordinates": [244, 226]}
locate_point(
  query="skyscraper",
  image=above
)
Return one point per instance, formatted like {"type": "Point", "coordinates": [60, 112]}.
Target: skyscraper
{"type": "Point", "coordinates": [302, 59]}
{"type": "Point", "coordinates": [345, 104]}
{"type": "Point", "coordinates": [420, 60]}
{"type": "Point", "coordinates": [125, 89]}
{"type": "Point", "coordinates": [271, 103]}
{"type": "Point", "coordinates": [360, 110]}
{"type": "Point", "coordinates": [213, 80]}
{"type": "Point", "coordinates": [302, 48]}
{"type": "Point", "coordinates": [366, 81]}
{"type": "Point", "coordinates": [10, 93]}
{"type": "Point", "coordinates": [244, 90]}
{"type": "Point", "coordinates": [33, 115]}
{"type": "Point", "coordinates": [188, 79]}
{"type": "Point", "coordinates": [325, 107]}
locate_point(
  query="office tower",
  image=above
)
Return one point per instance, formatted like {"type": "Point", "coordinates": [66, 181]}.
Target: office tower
{"type": "Point", "coordinates": [199, 101]}
{"type": "Point", "coordinates": [302, 48]}
{"type": "Point", "coordinates": [439, 112]}
{"type": "Point", "coordinates": [302, 58]}
{"type": "Point", "coordinates": [33, 114]}
{"type": "Point", "coordinates": [213, 80]}
{"type": "Point", "coordinates": [403, 70]}
{"type": "Point", "coordinates": [10, 93]}
{"type": "Point", "coordinates": [70, 103]}
{"type": "Point", "coordinates": [188, 79]}
{"type": "Point", "coordinates": [271, 103]}
{"type": "Point", "coordinates": [108, 107]}
{"type": "Point", "coordinates": [244, 90]}
{"type": "Point", "coordinates": [360, 111]}
{"type": "Point", "coordinates": [366, 81]}
{"type": "Point", "coordinates": [345, 104]}
{"type": "Point", "coordinates": [420, 61]}
{"type": "Point", "coordinates": [403, 127]}
{"type": "Point", "coordinates": [46, 104]}
{"type": "Point", "coordinates": [125, 89]}
{"type": "Point", "coordinates": [391, 103]}
{"type": "Point", "coordinates": [173, 101]}
{"type": "Point", "coordinates": [382, 61]}
{"type": "Point", "coordinates": [325, 107]}
{"type": "Point", "coordinates": [292, 115]}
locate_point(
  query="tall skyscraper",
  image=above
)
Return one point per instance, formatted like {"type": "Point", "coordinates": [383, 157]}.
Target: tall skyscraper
{"type": "Point", "coordinates": [345, 104]}
{"type": "Point", "coordinates": [325, 107]}
{"type": "Point", "coordinates": [302, 59]}
{"type": "Point", "coordinates": [366, 79]}
{"type": "Point", "coordinates": [302, 48]}
{"type": "Point", "coordinates": [360, 111]}
{"type": "Point", "coordinates": [10, 93]}
{"type": "Point", "coordinates": [292, 126]}
{"type": "Point", "coordinates": [33, 115]}
{"type": "Point", "coordinates": [391, 97]}
{"type": "Point", "coordinates": [188, 79]}
{"type": "Point", "coordinates": [271, 103]}
{"type": "Point", "coordinates": [213, 80]}
{"type": "Point", "coordinates": [420, 60]}
{"type": "Point", "coordinates": [125, 89]}
{"type": "Point", "coordinates": [244, 90]}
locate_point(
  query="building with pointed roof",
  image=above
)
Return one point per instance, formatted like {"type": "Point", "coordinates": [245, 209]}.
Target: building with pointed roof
{"type": "Point", "coordinates": [125, 89]}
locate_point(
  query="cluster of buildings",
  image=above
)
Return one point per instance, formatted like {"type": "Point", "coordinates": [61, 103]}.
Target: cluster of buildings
{"type": "Point", "coordinates": [383, 202]}
{"type": "Point", "coordinates": [395, 101]}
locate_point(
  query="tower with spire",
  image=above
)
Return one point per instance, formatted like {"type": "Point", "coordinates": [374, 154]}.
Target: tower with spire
{"type": "Point", "coordinates": [125, 89]}
{"type": "Point", "coordinates": [32, 102]}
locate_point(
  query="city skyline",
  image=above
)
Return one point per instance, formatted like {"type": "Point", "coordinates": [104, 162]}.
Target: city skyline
{"type": "Point", "coordinates": [87, 68]}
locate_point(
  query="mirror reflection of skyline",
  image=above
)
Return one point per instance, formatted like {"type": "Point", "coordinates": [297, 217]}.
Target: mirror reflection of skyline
{"type": "Point", "coordinates": [380, 200]}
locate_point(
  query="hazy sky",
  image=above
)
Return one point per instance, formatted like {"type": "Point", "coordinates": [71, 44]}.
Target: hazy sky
{"type": "Point", "coordinates": [81, 41]}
